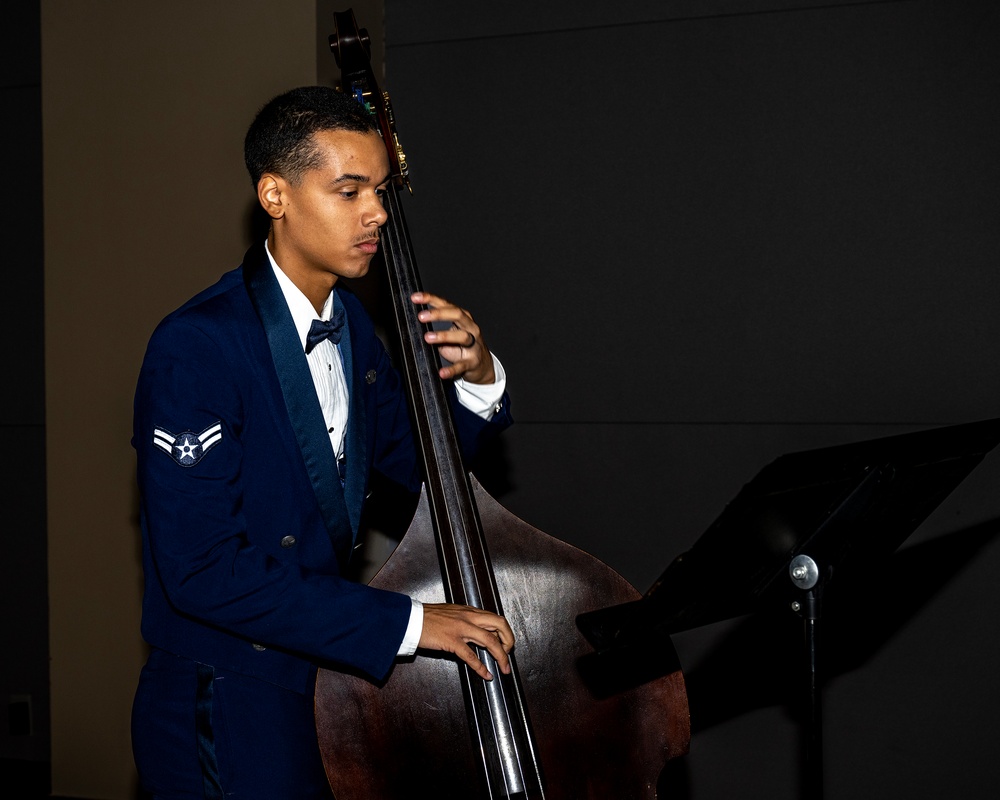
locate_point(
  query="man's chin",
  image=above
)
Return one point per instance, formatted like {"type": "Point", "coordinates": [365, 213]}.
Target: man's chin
{"type": "Point", "coordinates": [354, 270]}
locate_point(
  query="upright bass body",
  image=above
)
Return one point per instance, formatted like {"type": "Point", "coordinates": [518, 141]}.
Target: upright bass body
{"type": "Point", "coordinates": [412, 733]}
{"type": "Point", "coordinates": [565, 723]}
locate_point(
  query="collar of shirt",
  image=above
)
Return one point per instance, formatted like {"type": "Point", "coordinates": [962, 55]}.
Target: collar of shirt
{"type": "Point", "coordinates": [481, 400]}
{"type": "Point", "coordinates": [301, 309]}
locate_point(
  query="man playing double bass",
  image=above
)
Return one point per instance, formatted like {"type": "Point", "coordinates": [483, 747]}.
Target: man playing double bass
{"type": "Point", "coordinates": [263, 404]}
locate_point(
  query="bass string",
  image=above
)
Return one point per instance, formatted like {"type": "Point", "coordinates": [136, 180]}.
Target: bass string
{"type": "Point", "coordinates": [401, 263]}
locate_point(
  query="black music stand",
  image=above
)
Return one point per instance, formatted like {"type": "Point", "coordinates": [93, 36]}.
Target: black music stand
{"type": "Point", "coordinates": [804, 518]}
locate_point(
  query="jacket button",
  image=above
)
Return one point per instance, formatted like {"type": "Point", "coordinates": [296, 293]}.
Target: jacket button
{"type": "Point", "coordinates": [288, 541]}
{"type": "Point", "coordinates": [259, 648]}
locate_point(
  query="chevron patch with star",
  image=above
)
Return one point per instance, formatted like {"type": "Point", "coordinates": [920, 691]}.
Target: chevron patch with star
{"type": "Point", "coordinates": [188, 448]}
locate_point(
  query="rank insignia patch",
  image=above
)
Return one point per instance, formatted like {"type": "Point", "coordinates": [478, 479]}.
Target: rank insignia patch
{"type": "Point", "coordinates": [188, 448]}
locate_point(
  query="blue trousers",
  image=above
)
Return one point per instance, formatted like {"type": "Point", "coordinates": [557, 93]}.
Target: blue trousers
{"type": "Point", "coordinates": [208, 733]}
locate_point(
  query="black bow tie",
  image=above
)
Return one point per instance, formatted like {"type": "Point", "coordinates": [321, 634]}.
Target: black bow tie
{"type": "Point", "coordinates": [325, 329]}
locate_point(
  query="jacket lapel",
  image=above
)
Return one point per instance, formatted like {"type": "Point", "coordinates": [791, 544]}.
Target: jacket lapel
{"type": "Point", "coordinates": [297, 388]}
{"type": "Point", "coordinates": [354, 443]}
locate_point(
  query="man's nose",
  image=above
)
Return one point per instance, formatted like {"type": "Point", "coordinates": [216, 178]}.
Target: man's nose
{"type": "Point", "coordinates": [376, 212]}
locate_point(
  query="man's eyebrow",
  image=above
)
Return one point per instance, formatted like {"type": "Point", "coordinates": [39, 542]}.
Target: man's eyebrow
{"type": "Point", "coordinates": [350, 177]}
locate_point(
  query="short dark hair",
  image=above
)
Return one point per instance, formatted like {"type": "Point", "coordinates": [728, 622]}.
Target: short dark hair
{"type": "Point", "coordinates": [280, 139]}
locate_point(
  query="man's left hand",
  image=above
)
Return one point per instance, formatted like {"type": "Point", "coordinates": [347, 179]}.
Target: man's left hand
{"type": "Point", "coordinates": [462, 344]}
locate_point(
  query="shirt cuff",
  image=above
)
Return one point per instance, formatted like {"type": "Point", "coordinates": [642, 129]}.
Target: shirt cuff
{"type": "Point", "coordinates": [413, 629]}
{"type": "Point", "coordinates": [482, 399]}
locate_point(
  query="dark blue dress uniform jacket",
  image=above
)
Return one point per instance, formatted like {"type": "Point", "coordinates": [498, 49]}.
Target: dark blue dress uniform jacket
{"type": "Point", "coordinates": [246, 526]}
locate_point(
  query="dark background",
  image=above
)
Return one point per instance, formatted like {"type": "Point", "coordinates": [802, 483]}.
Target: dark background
{"type": "Point", "coordinates": [24, 644]}
{"type": "Point", "coordinates": [700, 235]}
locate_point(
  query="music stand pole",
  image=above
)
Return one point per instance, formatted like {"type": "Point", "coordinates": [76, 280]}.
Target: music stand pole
{"type": "Point", "coordinates": [805, 576]}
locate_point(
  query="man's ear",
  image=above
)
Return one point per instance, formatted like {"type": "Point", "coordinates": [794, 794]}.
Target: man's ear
{"type": "Point", "coordinates": [271, 194]}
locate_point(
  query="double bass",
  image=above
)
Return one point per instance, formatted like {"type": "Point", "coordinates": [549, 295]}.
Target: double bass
{"type": "Point", "coordinates": [565, 723]}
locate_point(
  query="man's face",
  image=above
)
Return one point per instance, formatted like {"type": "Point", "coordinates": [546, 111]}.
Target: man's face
{"type": "Point", "coordinates": [332, 215]}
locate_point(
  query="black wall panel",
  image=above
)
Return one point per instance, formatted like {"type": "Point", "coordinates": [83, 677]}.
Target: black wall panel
{"type": "Point", "coordinates": [768, 217]}
{"type": "Point", "coordinates": [700, 235]}
{"type": "Point", "coordinates": [24, 652]}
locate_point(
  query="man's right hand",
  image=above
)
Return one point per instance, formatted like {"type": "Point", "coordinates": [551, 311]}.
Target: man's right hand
{"type": "Point", "coordinates": [452, 629]}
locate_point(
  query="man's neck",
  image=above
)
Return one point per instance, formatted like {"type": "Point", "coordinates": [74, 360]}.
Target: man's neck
{"type": "Point", "coordinates": [315, 286]}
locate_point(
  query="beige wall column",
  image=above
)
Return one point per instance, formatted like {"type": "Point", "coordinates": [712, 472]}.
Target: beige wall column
{"type": "Point", "coordinates": [146, 202]}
